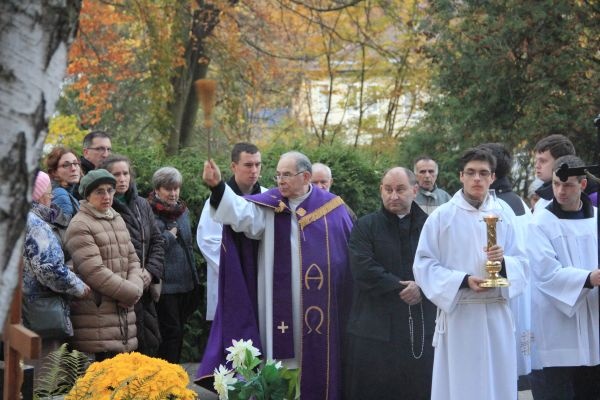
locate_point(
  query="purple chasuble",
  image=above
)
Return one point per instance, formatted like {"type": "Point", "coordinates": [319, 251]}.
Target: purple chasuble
{"type": "Point", "coordinates": [325, 283]}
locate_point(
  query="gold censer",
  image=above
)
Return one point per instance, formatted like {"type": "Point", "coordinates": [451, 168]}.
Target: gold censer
{"type": "Point", "coordinates": [492, 267]}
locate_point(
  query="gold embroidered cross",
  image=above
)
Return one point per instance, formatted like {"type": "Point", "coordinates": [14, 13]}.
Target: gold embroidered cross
{"type": "Point", "coordinates": [282, 327]}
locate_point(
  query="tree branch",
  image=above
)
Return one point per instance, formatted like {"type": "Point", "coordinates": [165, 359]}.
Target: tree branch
{"type": "Point", "coordinates": [328, 9]}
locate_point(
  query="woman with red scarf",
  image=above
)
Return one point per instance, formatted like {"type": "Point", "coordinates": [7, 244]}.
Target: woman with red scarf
{"type": "Point", "coordinates": [180, 276]}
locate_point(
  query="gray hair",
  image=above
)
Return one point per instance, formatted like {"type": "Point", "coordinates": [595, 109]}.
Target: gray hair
{"type": "Point", "coordinates": [425, 158]}
{"type": "Point", "coordinates": [302, 162]}
{"type": "Point", "coordinates": [324, 167]}
{"type": "Point", "coordinates": [167, 177]}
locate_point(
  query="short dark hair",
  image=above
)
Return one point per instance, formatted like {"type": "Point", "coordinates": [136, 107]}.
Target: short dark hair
{"type": "Point", "coordinates": [503, 158]}
{"type": "Point", "coordinates": [477, 154]}
{"type": "Point", "coordinates": [558, 146]}
{"type": "Point", "coordinates": [87, 140]}
{"type": "Point", "coordinates": [572, 161]}
{"type": "Point", "coordinates": [242, 147]}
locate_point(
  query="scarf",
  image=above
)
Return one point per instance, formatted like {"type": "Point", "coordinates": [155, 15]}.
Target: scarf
{"type": "Point", "coordinates": [165, 210]}
{"type": "Point", "coordinates": [47, 214]}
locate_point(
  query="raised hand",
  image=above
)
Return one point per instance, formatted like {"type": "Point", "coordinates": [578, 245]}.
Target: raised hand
{"type": "Point", "coordinates": [211, 174]}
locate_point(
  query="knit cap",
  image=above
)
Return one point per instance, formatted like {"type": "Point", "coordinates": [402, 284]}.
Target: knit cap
{"type": "Point", "coordinates": [40, 186]}
{"type": "Point", "coordinates": [93, 179]}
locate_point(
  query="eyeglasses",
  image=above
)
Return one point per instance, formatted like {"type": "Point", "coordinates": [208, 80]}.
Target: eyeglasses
{"type": "Point", "coordinates": [484, 173]}
{"type": "Point", "coordinates": [68, 165]}
{"type": "Point", "coordinates": [101, 149]}
{"type": "Point", "coordinates": [286, 175]}
{"type": "Point", "coordinates": [102, 192]}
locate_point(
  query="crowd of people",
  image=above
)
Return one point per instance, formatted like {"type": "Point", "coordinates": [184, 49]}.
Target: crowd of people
{"type": "Point", "coordinates": [123, 264]}
{"type": "Point", "coordinates": [394, 304]}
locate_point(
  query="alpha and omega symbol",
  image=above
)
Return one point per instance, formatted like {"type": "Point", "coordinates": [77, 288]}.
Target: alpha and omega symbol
{"type": "Point", "coordinates": [321, 315]}
{"type": "Point", "coordinates": [319, 277]}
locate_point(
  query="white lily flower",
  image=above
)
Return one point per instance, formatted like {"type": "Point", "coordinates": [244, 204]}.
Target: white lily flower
{"type": "Point", "coordinates": [237, 352]}
{"type": "Point", "coordinates": [224, 382]}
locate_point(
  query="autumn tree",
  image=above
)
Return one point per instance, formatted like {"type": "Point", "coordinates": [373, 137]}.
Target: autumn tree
{"type": "Point", "coordinates": [365, 68]}
{"type": "Point", "coordinates": [133, 66]}
{"type": "Point", "coordinates": [135, 62]}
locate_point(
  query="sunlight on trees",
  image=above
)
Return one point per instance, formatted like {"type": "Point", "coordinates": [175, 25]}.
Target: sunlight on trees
{"type": "Point", "coordinates": [382, 74]}
{"type": "Point", "coordinates": [351, 73]}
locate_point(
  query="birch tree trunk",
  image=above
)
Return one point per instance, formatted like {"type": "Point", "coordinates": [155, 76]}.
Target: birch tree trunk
{"type": "Point", "coordinates": [34, 39]}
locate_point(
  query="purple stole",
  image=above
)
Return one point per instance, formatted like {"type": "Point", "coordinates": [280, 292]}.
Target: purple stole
{"type": "Point", "coordinates": [325, 295]}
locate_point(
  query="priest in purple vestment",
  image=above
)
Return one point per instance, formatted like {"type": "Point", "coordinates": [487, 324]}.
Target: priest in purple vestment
{"type": "Point", "coordinates": [284, 281]}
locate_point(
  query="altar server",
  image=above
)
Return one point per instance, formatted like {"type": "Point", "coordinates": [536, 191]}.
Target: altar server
{"type": "Point", "coordinates": [563, 251]}
{"type": "Point", "coordinates": [474, 340]}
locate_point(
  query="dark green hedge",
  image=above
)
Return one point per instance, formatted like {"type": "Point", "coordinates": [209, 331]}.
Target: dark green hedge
{"type": "Point", "coordinates": [356, 179]}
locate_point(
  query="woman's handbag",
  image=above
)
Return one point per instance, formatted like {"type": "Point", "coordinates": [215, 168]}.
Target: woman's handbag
{"type": "Point", "coordinates": [48, 316]}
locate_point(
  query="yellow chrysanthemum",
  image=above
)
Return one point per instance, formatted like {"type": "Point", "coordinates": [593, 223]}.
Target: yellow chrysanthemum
{"type": "Point", "coordinates": [132, 376]}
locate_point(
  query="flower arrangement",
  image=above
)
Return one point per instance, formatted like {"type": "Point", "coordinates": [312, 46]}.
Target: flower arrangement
{"type": "Point", "coordinates": [130, 376]}
{"type": "Point", "coordinates": [253, 379]}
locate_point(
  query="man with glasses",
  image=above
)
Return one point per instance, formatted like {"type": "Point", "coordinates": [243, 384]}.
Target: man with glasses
{"type": "Point", "coordinates": [475, 354]}
{"type": "Point", "coordinates": [288, 289]}
{"type": "Point", "coordinates": [245, 165]}
{"type": "Point", "coordinates": [96, 148]}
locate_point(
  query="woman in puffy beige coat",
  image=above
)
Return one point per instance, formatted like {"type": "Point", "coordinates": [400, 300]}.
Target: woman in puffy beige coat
{"type": "Point", "coordinates": [105, 259]}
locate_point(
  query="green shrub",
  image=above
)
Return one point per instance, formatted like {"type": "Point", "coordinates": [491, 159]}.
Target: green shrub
{"type": "Point", "coordinates": [356, 175]}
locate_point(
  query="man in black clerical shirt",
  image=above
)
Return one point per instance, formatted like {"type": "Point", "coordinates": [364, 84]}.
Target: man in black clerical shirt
{"type": "Point", "coordinates": [389, 353]}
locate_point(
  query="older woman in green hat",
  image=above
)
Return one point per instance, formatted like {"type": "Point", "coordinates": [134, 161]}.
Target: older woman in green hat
{"type": "Point", "coordinates": [105, 259]}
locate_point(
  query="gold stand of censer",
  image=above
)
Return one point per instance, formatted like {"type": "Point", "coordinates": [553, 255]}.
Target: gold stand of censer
{"type": "Point", "coordinates": [493, 267]}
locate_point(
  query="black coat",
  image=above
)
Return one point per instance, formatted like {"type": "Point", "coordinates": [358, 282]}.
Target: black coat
{"type": "Point", "coordinates": [149, 246]}
{"type": "Point", "coordinates": [380, 345]}
{"type": "Point", "coordinates": [380, 257]}
{"type": "Point", "coordinates": [504, 191]}
{"type": "Point", "coordinates": [180, 274]}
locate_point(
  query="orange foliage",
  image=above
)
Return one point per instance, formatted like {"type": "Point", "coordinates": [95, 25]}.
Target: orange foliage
{"type": "Point", "coordinates": [100, 58]}
{"type": "Point", "coordinates": [121, 42]}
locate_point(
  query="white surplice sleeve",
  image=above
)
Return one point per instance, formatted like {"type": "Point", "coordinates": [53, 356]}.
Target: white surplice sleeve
{"type": "Point", "coordinates": [439, 283]}
{"type": "Point", "coordinates": [208, 237]}
{"type": "Point", "coordinates": [241, 214]}
{"type": "Point", "coordinates": [563, 285]}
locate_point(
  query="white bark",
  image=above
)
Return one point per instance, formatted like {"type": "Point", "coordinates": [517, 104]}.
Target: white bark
{"type": "Point", "coordinates": [34, 40]}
